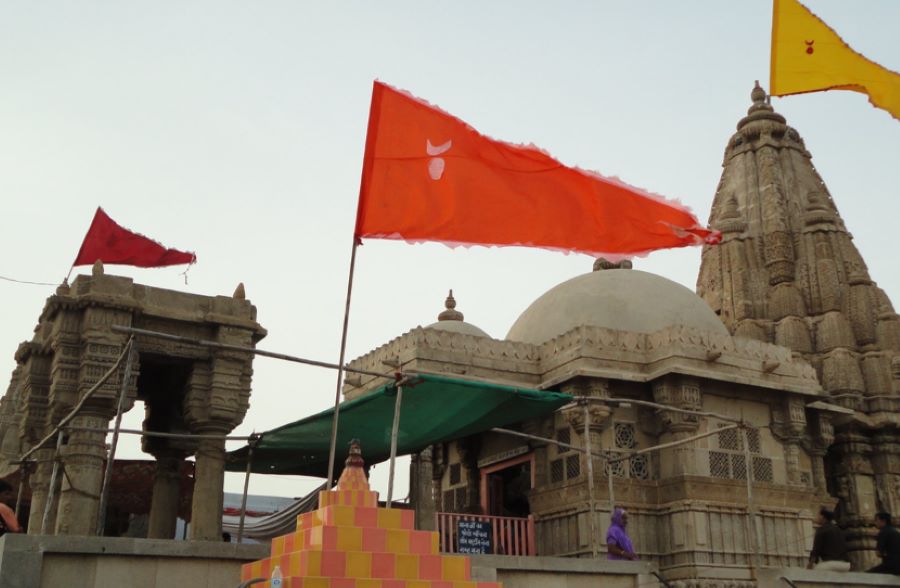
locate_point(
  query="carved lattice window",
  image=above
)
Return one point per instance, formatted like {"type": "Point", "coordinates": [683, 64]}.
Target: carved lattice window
{"type": "Point", "coordinates": [719, 464]}
{"type": "Point", "coordinates": [730, 439]}
{"type": "Point", "coordinates": [618, 469]}
{"type": "Point", "coordinates": [738, 466]}
{"type": "Point", "coordinates": [455, 474]}
{"type": "Point", "coordinates": [762, 469]}
{"type": "Point", "coordinates": [573, 466]}
{"type": "Point", "coordinates": [753, 440]}
{"type": "Point", "coordinates": [624, 435]}
{"type": "Point", "coordinates": [563, 436]}
{"type": "Point", "coordinates": [557, 471]}
{"type": "Point", "coordinates": [639, 467]}
{"type": "Point", "coordinates": [460, 499]}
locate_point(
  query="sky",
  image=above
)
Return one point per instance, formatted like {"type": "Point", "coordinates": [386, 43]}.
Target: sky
{"type": "Point", "coordinates": [236, 130]}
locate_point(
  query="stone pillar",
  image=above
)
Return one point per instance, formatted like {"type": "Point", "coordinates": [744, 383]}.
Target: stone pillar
{"type": "Point", "coordinates": [166, 497]}
{"type": "Point", "coordinates": [683, 393]}
{"type": "Point", "coordinates": [420, 489]}
{"type": "Point", "coordinates": [209, 477]}
{"type": "Point", "coordinates": [82, 476]}
{"type": "Point", "coordinates": [40, 487]}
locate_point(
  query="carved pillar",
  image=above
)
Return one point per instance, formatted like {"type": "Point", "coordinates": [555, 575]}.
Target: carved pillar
{"type": "Point", "coordinates": [683, 393]}
{"type": "Point", "coordinates": [854, 485]}
{"type": "Point", "coordinates": [217, 399]}
{"type": "Point", "coordinates": [420, 489]}
{"type": "Point", "coordinates": [39, 482]}
{"type": "Point", "coordinates": [793, 431]}
{"type": "Point", "coordinates": [82, 475]}
{"type": "Point", "coordinates": [209, 477]}
{"type": "Point", "coordinates": [166, 496]}
{"type": "Point", "coordinates": [437, 475]}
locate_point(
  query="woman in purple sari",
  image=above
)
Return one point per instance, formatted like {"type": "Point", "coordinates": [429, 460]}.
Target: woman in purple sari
{"type": "Point", "coordinates": [618, 543]}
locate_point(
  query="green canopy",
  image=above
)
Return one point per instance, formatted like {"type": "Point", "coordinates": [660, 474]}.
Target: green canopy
{"type": "Point", "coordinates": [433, 409]}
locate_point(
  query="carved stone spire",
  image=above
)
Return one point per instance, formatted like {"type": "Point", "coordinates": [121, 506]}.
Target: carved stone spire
{"type": "Point", "coordinates": [787, 272]}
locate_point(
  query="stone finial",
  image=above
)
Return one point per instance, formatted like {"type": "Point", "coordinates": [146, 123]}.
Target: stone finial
{"type": "Point", "coordinates": [355, 459]}
{"type": "Point", "coordinates": [239, 292]}
{"type": "Point", "coordinates": [601, 263]}
{"type": "Point", "coordinates": [757, 94]}
{"type": "Point", "coordinates": [97, 269]}
{"type": "Point", "coordinates": [63, 289]}
{"type": "Point", "coordinates": [450, 314]}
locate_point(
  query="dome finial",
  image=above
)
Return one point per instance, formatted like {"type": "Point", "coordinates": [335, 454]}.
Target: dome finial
{"type": "Point", "coordinates": [601, 263]}
{"type": "Point", "coordinates": [450, 314]}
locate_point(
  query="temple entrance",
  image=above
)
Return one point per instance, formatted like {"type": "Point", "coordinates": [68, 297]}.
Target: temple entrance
{"type": "Point", "coordinates": [505, 487]}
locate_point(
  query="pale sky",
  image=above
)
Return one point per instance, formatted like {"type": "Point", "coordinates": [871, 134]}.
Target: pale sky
{"type": "Point", "coordinates": [236, 129]}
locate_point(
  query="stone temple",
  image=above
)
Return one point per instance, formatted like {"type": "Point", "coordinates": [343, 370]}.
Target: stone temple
{"type": "Point", "coordinates": [787, 332]}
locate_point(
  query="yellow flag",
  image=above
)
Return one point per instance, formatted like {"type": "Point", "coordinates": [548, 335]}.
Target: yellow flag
{"type": "Point", "coordinates": [808, 56]}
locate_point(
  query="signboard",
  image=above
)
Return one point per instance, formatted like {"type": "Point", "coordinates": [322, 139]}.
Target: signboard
{"type": "Point", "coordinates": [474, 537]}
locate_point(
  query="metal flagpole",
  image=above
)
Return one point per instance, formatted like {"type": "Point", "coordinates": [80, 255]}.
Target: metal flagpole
{"type": "Point", "coordinates": [53, 476]}
{"type": "Point", "coordinates": [590, 473]}
{"type": "Point", "coordinates": [107, 475]}
{"type": "Point", "coordinates": [340, 369]}
{"type": "Point", "coordinates": [395, 430]}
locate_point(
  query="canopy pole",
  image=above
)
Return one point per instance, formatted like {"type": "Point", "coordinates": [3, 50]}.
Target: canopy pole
{"type": "Point", "coordinates": [53, 476]}
{"type": "Point", "coordinates": [340, 370]}
{"type": "Point", "coordinates": [246, 488]}
{"type": "Point", "coordinates": [590, 472]}
{"type": "Point", "coordinates": [107, 475]}
{"type": "Point", "coordinates": [395, 431]}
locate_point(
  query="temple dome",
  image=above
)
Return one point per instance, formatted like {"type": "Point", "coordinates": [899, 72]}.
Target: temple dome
{"type": "Point", "coordinates": [451, 320]}
{"type": "Point", "coordinates": [620, 299]}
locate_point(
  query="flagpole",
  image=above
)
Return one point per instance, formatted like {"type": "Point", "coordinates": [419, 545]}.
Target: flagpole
{"type": "Point", "coordinates": [340, 370]}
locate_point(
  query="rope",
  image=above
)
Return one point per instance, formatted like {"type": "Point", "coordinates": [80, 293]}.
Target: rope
{"type": "Point", "coordinates": [15, 281]}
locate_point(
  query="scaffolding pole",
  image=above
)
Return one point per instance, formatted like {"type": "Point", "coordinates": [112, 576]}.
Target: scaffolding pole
{"type": "Point", "coordinates": [107, 475]}
{"type": "Point", "coordinates": [250, 447]}
{"type": "Point", "coordinates": [751, 511]}
{"type": "Point", "coordinates": [395, 433]}
{"type": "Point", "coordinates": [52, 490]}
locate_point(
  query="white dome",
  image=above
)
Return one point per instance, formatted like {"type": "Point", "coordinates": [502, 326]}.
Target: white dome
{"type": "Point", "coordinates": [457, 327]}
{"type": "Point", "coordinates": [620, 299]}
{"type": "Point", "coordinates": [451, 320]}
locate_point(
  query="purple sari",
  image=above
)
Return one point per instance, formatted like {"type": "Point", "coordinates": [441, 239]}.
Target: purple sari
{"type": "Point", "coordinates": [617, 535]}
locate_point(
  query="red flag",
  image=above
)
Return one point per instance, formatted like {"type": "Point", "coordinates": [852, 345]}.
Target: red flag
{"type": "Point", "coordinates": [428, 176]}
{"type": "Point", "coordinates": [111, 243]}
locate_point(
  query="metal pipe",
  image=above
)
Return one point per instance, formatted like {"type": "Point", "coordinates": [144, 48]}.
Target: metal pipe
{"type": "Point", "coordinates": [78, 406]}
{"type": "Point", "coordinates": [503, 431]}
{"type": "Point", "coordinates": [395, 432]}
{"type": "Point", "coordinates": [166, 435]}
{"type": "Point", "coordinates": [332, 449]}
{"type": "Point", "coordinates": [52, 490]}
{"type": "Point", "coordinates": [240, 535]}
{"type": "Point", "coordinates": [107, 475]}
{"type": "Point", "coordinates": [659, 406]}
{"type": "Point", "coordinates": [216, 345]}
{"type": "Point", "coordinates": [590, 473]}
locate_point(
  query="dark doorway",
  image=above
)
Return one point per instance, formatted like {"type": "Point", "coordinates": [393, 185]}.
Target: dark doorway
{"type": "Point", "coordinates": [508, 490]}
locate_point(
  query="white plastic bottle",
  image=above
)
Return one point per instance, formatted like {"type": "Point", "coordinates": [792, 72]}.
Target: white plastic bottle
{"type": "Point", "coordinates": [276, 580]}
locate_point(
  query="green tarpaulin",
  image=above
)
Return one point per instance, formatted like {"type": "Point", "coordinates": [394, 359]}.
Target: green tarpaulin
{"type": "Point", "coordinates": [433, 409]}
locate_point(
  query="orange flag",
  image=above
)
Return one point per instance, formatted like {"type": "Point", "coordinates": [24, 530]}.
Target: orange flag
{"type": "Point", "coordinates": [428, 176]}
